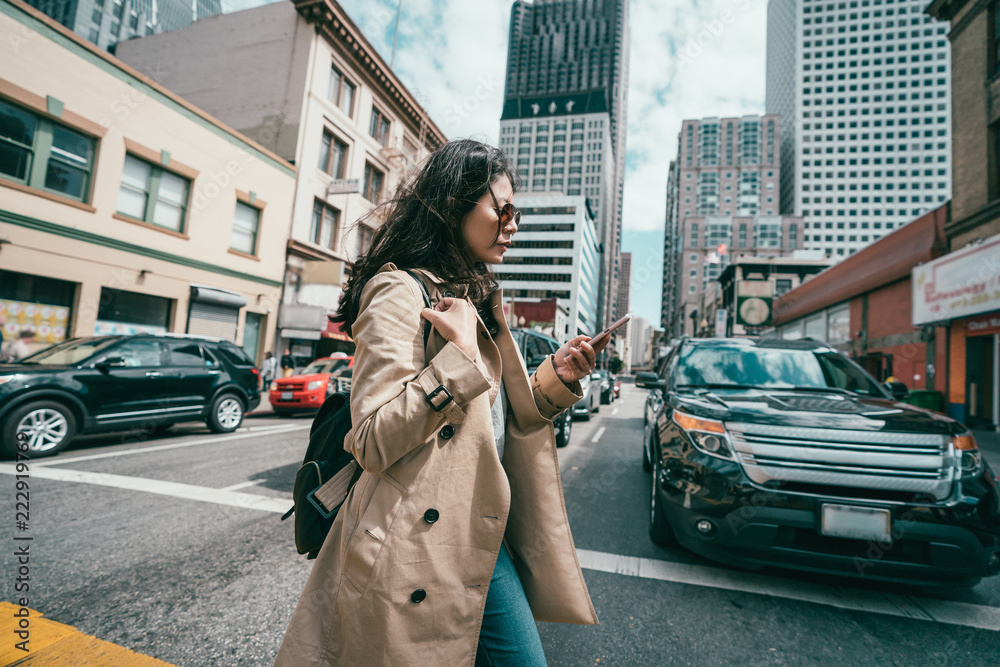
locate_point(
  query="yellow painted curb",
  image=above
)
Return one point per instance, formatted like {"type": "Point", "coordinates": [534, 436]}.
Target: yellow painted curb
{"type": "Point", "coordinates": [58, 645]}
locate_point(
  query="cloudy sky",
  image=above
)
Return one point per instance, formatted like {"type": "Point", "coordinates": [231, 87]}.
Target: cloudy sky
{"type": "Point", "coordinates": [688, 59]}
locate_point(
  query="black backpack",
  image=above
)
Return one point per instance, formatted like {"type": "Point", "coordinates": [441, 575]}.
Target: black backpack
{"type": "Point", "coordinates": [328, 470]}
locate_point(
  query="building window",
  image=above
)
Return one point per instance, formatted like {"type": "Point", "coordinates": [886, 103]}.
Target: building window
{"type": "Point", "coordinates": [341, 91]}
{"type": "Point", "coordinates": [332, 155]}
{"type": "Point", "coordinates": [365, 235]}
{"type": "Point", "coordinates": [246, 222]}
{"type": "Point", "coordinates": [373, 183]}
{"type": "Point", "coordinates": [325, 220]}
{"type": "Point", "coordinates": [152, 194]}
{"type": "Point", "coordinates": [44, 155]}
{"type": "Point", "coordinates": [379, 127]}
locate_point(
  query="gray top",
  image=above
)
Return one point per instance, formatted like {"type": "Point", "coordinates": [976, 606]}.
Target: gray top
{"type": "Point", "coordinates": [499, 411]}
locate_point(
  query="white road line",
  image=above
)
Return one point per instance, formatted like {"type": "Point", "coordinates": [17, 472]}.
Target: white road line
{"type": "Point", "coordinates": [872, 602]}
{"type": "Point", "coordinates": [614, 412]}
{"type": "Point", "coordinates": [158, 448]}
{"type": "Point", "coordinates": [242, 485]}
{"type": "Point", "coordinates": [600, 432]}
{"type": "Point", "coordinates": [188, 491]}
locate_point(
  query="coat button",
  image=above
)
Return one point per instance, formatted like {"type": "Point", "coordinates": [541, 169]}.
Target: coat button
{"type": "Point", "coordinates": [486, 335]}
{"type": "Point", "coordinates": [447, 431]}
{"type": "Point", "coordinates": [431, 515]}
{"type": "Point", "coordinates": [418, 595]}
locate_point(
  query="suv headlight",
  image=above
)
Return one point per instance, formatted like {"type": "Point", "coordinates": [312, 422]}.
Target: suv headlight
{"type": "Point", "coordinates": [709, 436]}
{"type": "Point", "coordinates": [314, 385]}
{"type": "Point", "coordinates": [274, 386]}
{"type": "Point", "coordinates": [970, 459]}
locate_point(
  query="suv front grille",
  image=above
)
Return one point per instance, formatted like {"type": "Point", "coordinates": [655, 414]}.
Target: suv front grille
{"type": "Point", "coordinates": [845, 463]}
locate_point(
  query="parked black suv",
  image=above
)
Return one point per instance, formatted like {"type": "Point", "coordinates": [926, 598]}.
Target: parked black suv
{"type": "Point", "coordinates": [534, 348]}
{"type": "Point", "coordinates": [86, 385]}
{"type": "Point", "coordinates": [787, 453]}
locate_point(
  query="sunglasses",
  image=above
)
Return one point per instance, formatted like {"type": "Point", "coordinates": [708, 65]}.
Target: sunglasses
{"type": "Point", "coordinates": [507, 213]}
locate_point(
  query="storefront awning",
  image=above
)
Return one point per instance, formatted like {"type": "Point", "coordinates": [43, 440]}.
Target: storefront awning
{"type": "Point", "coordinates": [333, 330]}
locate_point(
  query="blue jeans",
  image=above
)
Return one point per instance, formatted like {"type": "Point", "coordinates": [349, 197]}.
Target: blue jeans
{"type": "Point", "coordinates": [509, 636]}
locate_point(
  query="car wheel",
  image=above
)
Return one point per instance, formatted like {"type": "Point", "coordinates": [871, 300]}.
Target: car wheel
{"type": "Point", "coordinates": [226, 414]}
{"type": "Point", "coordinates": [660, 530]}
{"type": "Point", "coordinates": [283, 413]}
{"type": "Point", "coordinates": [48, 425]}
{"type": "Point", "coordinates": [562, 437]}
{"type": "Point", "coordinates": [646, 464]}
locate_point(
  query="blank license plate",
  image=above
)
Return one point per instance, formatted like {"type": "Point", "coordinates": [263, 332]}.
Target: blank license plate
{"type": "Point", "coordinates": [286, 395]}
{"type": "Point", "coordinates": [856, 523]}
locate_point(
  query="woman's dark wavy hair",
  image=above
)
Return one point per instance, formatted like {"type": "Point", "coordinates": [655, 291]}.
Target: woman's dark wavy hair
{"type": "Point", "coordinates": [422, 226]}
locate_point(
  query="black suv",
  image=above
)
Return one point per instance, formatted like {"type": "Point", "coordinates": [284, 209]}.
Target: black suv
{"type": "Point", "coordinates": [534, 348]}
{"type": "Point", "coordinates": [87, 385]}
{"type": "Point", "coordinates": [787, 453]}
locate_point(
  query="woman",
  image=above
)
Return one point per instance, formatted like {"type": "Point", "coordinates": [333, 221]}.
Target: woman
{"type": "Point", "coordinates": [458, 523]}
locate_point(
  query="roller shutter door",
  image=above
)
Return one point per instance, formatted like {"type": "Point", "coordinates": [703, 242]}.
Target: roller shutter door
{"type": "Point", "coordinates": [209, 319]}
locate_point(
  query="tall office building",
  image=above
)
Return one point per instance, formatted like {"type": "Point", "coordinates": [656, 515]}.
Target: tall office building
{"type": "Point", "coordinates": [862, 91]}
{"type": "Point", "coordinates": [722, 200]}
{"type": "Point", "coordinates": [564, 113]}
{"type": "Point", "coordinates": [555, 255]}
{"type": "Point", "coordinates": [107, 22]}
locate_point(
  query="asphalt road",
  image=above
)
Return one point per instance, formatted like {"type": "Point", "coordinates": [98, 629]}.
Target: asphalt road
{"type": "Point", "coordinates": [171, 546]}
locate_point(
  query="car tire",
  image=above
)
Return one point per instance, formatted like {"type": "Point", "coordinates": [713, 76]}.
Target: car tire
{"type": "Point", "coordinates": [226, 414]}
{"type": "Point", "coordinates": [646, 463]}
{"type": "Point", "coordinates": [562, 437]}
{"type": "Point", "coordinates": [660, 530]}
{"type": "Point", "coordinates": [54, 428]}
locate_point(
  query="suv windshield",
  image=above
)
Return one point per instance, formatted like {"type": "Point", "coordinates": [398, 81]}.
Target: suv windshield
{"type": "Point", "coordinates": [721, 366]}
{"type": "Point", "coordinates": [325, 366]}
{"type": "Point", "coordinates": [69, 352]}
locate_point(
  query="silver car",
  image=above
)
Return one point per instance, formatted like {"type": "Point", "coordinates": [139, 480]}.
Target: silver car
{"type": "Point", "coordinates": [591, 401]}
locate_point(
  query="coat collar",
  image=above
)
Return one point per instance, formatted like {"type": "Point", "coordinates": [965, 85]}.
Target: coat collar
{"type": "Point", "coordinates": [389, 266]}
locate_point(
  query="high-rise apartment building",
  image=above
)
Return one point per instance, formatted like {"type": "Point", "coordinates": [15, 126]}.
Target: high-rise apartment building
{"type": "Point", "coordinates": [567, 65]}
{"type": "Point", "coordinates": [107, 22]}
{"type": "Point", "coordinates": [862, 91]}
{"type": "Point", "coordinates": [722, 200]}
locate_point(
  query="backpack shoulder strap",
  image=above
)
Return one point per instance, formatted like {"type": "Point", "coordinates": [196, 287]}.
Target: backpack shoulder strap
{"type": "Point", "coordinates": [427, 302]}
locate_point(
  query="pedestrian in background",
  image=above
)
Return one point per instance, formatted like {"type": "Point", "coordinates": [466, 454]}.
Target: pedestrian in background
{"type": "Point", "coordinates": [267, 369]}
{"type": "Point", "coordinates": [441, 554]}
{"type": "Point", "coordinates": [287, 363]}
{"type": "Point", "coordinates": [20, 348]}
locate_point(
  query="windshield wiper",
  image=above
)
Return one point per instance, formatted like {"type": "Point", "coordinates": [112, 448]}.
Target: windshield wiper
{"type": "Point", "coordinates": [716, 386]}
{"type": "Point", "coordinates": [835, 390]}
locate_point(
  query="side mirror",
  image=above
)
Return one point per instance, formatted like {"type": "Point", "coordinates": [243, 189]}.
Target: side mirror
{"type": "Point", "coordinates": [645, 379]}
{"type": "Point", "coordinates": [898, 390]}
{"type": "Point", "coordinates": [110, 362]}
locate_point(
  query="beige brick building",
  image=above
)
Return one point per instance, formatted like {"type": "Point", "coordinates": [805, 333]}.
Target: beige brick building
{"type": "Point", "coordinates": [125, 209]}
{"type": "Point", "coordinates": [301, 78]}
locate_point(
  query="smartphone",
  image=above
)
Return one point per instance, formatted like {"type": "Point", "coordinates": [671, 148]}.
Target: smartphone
{"type": "Point", "coordinates": [599, 338]}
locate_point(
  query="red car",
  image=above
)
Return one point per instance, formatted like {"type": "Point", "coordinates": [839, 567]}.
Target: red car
{"type": "Point", "coordinates": [308, 389]}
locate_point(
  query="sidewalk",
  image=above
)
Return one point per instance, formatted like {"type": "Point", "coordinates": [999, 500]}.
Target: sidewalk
{"type": "Point", "coordinates": [52, 644]}
{"type": "Point", "coordinates": [264, 408]}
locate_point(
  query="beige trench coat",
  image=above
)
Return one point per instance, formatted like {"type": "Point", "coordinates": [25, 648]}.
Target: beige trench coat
{"type": "Point", "coordinates": [403, 575]}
